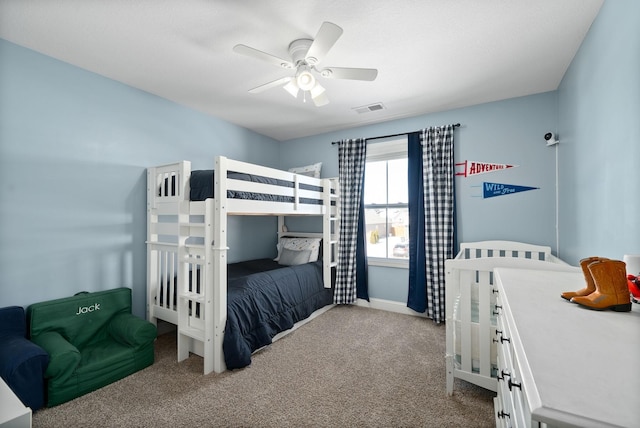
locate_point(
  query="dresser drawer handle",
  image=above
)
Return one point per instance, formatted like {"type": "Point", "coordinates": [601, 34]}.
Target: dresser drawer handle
{"type": "Point", "coordinates": [514, 385]}
{"type": "Point", "coordinates": [502, 375]}
{"type": "Point", "coordinates": [501, 338]}
{"type": "Point", "coordinates": [503, 414]}
{"type": "Point", "coordinates": [495, 291]}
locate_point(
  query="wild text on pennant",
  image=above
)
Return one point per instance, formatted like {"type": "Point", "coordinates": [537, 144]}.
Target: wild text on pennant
{"type": "Point", "coordinates": [489, 190]}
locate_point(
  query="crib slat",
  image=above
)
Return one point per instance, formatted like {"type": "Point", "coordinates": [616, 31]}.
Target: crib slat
{"type": "Point", "coordinates": [164, 260]}
{"type": "Point", "coordinates": [464, 309]}
{"type": "Point", "coordinates": [171, 281]}
{"type": "Point", "coordinates": [484, 330]}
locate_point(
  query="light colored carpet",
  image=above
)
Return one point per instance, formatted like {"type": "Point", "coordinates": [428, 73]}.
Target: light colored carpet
{"type": "Point", "coordinates": [350, 367]}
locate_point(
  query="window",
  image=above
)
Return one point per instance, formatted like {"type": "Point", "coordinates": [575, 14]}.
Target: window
{"type": "Point", "coordinates": [386, 203]}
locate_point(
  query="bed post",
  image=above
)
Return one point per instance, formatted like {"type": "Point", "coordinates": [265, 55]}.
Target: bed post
{"type": "Point", "coordinates": [152, 218]}
{"type": "Point", "coordinates": [185, 341]}
{"type": "Point", "coordinates": [210, 298]}
{"type": "Point", "coordinates": [449, 323]}
{"type": "Point", "coordinates": [219, 283]}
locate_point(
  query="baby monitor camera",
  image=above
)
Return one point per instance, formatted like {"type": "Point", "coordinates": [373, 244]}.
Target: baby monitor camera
{"type": "Point", "coordinates": [550, 138]}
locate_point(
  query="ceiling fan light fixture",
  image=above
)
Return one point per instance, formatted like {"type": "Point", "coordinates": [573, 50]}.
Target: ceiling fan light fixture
{"type": "Point", "coordinates": [319, 96]}
{"type": "Point", "coordinates": [292, 88]}
{"type": "Point", "coordinates": [305, 79]}
{"type": "Point", "coordinates": [317, 90]}
{"type": "Point", "coordinates": [321, 100]}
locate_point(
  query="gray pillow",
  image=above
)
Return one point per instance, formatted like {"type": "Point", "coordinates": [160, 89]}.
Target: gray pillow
{"type": "Point", "coordinates": [292, 257]}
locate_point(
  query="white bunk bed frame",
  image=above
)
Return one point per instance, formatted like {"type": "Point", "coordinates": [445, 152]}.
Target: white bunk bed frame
{"type": "Point", "coordinates": [470, 304]}
{"type": "Point", "coordinates": [175, 222]}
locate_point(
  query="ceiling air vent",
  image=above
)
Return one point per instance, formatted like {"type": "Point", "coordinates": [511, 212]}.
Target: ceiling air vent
{"type": "Point", "coordinates": [369, 108]}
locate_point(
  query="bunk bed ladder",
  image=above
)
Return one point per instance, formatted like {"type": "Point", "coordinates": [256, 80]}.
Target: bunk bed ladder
{"type": "Point", "coordinates": [330, 229]}
{"type": "Point", "coordinates": [192, 274]}
{"type": "Point", "coordinates": [196, 310]}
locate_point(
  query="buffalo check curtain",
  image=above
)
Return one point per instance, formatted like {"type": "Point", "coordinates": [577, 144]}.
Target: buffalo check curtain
{"type": "Point", "coordinates": [427, 276]}
{"type": "Point", "coordinates": [351, 275]}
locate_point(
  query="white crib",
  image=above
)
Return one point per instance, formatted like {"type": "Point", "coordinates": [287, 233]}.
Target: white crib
{"type": "Point", "coordinates": [470, 304]}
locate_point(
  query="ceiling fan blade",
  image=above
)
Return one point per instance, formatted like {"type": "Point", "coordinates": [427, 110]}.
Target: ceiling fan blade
{"type": "Point", "coordinates": [263, 56]}
{"type": "Point", "coordinates": [327, 36]}
{"type": "Point", "coordinates": [368, 74]}
{"type": "Point", "coordinates": [270, 85]}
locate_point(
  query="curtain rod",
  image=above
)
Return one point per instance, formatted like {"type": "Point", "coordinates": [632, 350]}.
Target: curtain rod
{"type": "Point", "coordinates": [456, 125]}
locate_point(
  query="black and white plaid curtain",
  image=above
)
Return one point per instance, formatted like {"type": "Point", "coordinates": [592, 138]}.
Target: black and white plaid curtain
{"type": "Point", "coordinates": [351, 164]}
{"type": "Point", "coordinates": [438, 180]}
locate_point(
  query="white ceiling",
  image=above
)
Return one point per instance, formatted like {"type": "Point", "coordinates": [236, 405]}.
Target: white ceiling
{"type": "Point", "coordinates": [432, 55]}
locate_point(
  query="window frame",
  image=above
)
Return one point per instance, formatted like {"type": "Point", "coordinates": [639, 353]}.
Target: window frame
{"type": "Point", "coordinates": [386, 150]}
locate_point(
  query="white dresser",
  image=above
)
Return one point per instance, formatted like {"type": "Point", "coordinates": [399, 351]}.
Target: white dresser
{"type": "Point", "coordinates": [13, 414]}
{"type": "Point", "coordinates": [560, 364]}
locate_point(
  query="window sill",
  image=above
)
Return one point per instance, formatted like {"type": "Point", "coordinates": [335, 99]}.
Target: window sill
{"type": "Point", "coordinates": [392, 263]}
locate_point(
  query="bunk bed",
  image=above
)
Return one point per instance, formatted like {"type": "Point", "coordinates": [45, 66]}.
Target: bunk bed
{"type": "Point", "coordinates": [470, 296]}
{"type": "Point", "coordinates": [224, 312]}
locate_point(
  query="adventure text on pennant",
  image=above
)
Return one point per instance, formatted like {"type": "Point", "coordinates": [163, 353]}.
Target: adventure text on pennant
{"type": "Point", "coordinates": [489, 190]}
{"type": "Point", "coordinates": [475, 168]}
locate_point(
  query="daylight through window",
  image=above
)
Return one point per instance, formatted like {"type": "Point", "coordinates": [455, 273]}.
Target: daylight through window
{"type": "Point", "coordinates": [386, 200]}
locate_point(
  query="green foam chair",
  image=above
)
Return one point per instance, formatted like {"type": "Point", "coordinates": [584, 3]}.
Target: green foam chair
{"type": "Point", "coordinates": [92, 340]}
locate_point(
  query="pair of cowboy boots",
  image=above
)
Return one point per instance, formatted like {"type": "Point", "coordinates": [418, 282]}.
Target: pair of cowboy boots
{"type": "Point", "coordinates": [606, 285]}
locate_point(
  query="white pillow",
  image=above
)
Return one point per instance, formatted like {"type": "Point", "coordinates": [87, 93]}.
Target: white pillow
{"type": "Point", "coordinates": [293, 258]}
{"type": "Point", "coordinates": [308, 170]}
{"type": "Point", "coordinates": [300, 244]}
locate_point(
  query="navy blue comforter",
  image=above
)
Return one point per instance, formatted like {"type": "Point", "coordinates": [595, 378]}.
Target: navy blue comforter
{"type": "Point", "coordinates": [265, 298]}
{"type": "Point", "coordinates": [202, 187]}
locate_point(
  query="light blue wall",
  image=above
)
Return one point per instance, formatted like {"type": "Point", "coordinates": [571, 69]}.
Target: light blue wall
{"type": "Point", "coordinates": [60, 124]}
{"type": "Point", "coordinates": [599, 129]}
{"type": "Point", "coordinates": [73, 151]}
{"type": "Point", "coordinates": [508, 132]}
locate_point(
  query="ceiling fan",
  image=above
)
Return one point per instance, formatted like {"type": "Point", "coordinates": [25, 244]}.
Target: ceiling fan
{"type": "Point", "coordinates": [306, 54]}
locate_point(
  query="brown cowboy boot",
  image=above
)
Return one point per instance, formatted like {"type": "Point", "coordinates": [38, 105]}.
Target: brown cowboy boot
{"type": "Point", "coordinates": [590, 288]}
{"type": "Point", "coordinates": [612, 292]}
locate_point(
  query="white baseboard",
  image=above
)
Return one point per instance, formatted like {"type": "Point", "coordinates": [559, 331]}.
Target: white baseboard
{"type": "Point", "coordinates": [389, 305]}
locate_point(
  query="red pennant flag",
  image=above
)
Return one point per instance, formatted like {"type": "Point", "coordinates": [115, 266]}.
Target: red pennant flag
{"type": "Point", "coordinates": [475, 168]}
